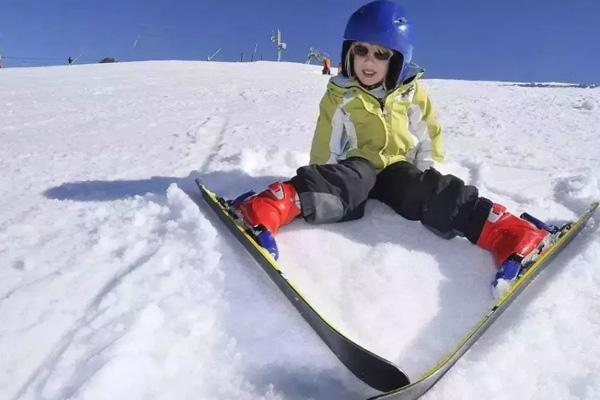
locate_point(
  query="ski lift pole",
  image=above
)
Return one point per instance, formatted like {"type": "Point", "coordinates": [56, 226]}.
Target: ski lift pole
{"type": "Point", "coordinates": [254, 53]}
{"type": "Point", "coordinates": [279, 45]}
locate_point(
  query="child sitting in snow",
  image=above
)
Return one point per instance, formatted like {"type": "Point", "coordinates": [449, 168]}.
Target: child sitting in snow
{"type": "Point", "coordinates": [377, 138]}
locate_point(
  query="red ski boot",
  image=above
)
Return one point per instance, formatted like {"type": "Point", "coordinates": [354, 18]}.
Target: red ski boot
{"type": "Point", "coordinates": [513, 242]}
{"type": "Point", "coordinates": [276, 206]}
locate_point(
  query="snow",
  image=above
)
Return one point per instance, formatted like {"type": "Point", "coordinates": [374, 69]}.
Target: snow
{"type": "Point", "coordinates": [115, 284]}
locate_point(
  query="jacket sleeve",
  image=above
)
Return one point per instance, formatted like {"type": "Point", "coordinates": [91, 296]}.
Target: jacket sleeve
{"type": "Point", "coordinates": [430, 145]}
{"type": "Point", "coordinates": [320, 152]}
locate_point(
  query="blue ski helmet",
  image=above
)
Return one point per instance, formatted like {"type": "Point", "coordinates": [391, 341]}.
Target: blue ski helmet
{"type": "Point", "coordinates": [384, 23]}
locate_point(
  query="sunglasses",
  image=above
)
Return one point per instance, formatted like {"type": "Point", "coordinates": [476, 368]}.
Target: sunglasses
{"type": "Point", "coordinates": [362, 51]}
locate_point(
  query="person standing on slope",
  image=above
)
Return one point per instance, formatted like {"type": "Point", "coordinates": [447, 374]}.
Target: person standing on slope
{"type": "Point", "coordinates": [377, 137]}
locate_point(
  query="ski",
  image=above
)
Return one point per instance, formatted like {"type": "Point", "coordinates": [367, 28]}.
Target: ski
{"type": "Point", "coordinates": [372, 369]}
{"type": "Point", "coordinates": [430, 378]}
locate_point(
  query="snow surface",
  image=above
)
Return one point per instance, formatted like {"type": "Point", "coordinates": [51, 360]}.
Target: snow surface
{"type": "Point", "coordinates": [114, 284]}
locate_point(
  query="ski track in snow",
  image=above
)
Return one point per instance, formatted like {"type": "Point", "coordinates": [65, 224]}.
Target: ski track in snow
{"type": "Point", "coordinates": [115, 284]}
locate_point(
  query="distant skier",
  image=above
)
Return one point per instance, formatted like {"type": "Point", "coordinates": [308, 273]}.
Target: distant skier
{"type": "Point", "coordinates": [326, 66]}
{"type": "Point", "coordinates": [70, 60]}
{"type": "Point", "coordinates": [377, 138]}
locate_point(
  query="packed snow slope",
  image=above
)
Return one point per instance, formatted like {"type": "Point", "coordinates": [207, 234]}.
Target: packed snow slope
{"type": "Point", "coordinates": [116, 284]}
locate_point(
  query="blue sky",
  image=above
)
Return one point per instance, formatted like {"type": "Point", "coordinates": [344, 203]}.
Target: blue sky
{"type": "Point", "coordinates": [509, 40]}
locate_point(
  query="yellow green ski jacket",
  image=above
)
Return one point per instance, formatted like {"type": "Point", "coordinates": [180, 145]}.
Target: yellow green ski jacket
{"type": "Point", "coordinates": [382, 127]}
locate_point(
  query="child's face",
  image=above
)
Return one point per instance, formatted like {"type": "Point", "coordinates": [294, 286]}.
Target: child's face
{"type": "Point", "coordinates": [370, 63]}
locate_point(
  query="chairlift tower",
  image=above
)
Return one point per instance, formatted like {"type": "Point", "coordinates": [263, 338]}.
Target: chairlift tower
{"type": "Point", "coordinates": [279, 45]}
{"type": "Point", "coordinates": [313, 55]}
{"type": "Point", "coordinates": [316, 55]}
